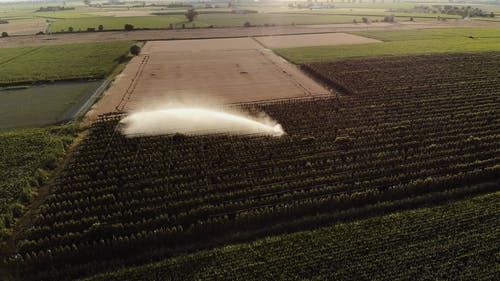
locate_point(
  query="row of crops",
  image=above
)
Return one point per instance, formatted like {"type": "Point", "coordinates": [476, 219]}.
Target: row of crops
{"type": "Point", "coordinates": [411, 245]}
{"type": "Point", "coordinates": [400, 133]}
{"type": "Point", "coordinates": [27, 158]}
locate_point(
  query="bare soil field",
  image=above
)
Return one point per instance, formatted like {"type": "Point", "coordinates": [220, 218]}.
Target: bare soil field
{"type": "Point", "coordinates": [292, 41]}
{"type": "Point", "coordinates": [221, 71]}
{"type": "Point", "coordinates": [24, 27]}
{"type": "Point", "coordinates": [205, 33]}
{"type": "Point", "coordinates": [199, 45]}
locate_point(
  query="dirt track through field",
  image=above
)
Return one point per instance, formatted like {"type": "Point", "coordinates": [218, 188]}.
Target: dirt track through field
{"type": "Point", "coordinates": [219, 70]}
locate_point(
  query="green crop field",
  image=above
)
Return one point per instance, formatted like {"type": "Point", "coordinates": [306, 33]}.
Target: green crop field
{"type": "Point", "coordinates": [487, 19]}
{"type": "Point", "coordinates": [68, 14]}
{"type": "Point", "coordinates": [60, 62]}
{"type": "Point", "coordinates": [118, 23]}
{"type": "Point", "coordinates": [40, 105]}
{"type": "Point", "coordinates": [27, 158]}
{"type": "Point", "coordinates": [372, 14]}
{"type": "Point", "coordinates": [221, 20]}
{"type": "Point", "coordinates": [457, 241]}
{"type": "Point", "coordinates": [426, 34]}
{"type": "Point", "coordinates": [203, 20]}
{"type": "Point", "coordinates": [452, 41]}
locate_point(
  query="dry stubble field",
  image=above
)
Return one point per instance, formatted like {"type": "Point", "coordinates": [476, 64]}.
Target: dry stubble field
{"type": "Point", "coordinates": [221, 71]}
{"type": "Point", "coordinates": [305, 40]}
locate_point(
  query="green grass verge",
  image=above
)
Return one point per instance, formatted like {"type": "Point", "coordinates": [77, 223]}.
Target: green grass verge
{"type": "Point", "coordinates": [487, 19]}
{"type": "Point", "coordinates": [440, 33]}
{"type": "Point", "coordinates": [40, 105]}
{"type": "Point", "coordinates": [60, 62]}
{"type": "Point", "coordinates": [27, 158]}
{"type": "Point", "coordinates": [457, 241]}
{"type": "Point", "coordinates": [438, 41]}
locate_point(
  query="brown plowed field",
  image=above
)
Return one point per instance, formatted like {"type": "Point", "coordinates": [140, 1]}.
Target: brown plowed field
{"type": "Point", "coordinates": [23, 27]}
{"type": "Point", "coordinates": [219, 70]}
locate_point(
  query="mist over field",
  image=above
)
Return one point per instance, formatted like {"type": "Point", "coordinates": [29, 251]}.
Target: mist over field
{"type": "Point", "coordinates": [197, 120]}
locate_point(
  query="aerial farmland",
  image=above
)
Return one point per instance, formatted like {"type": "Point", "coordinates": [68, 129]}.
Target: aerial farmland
{"type": "Point", "coordinates": [249, 140]}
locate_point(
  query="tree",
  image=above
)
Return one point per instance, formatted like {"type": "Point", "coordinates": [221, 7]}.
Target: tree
{"type": "Point", "coordinates": [389, 18]}
{"type": "Point", "coordinates": [129, 27]}
{"type": "Point", "coordinates": [135, 50]}
{"type": "Point", "coordinates": [86, 2]}
{"type": "Point", "coordinates": [5, 34]}
{"type": "Point", "coordinates": [191, 14]}
{"type": "Point", "coordinates": [100, 27]}
{"type": "Point", "coordinates": [70, 29]}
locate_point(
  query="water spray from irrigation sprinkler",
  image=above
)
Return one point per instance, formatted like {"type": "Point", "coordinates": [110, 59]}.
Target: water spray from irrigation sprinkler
{"type": "Point", "coordinates": [197, 121]}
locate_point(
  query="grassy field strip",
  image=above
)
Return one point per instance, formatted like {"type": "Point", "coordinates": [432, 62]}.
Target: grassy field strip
{"type": "Point", "coordinates": [118, 23]}
{"type": "Point", "coordinates": [487, 19]}
{"type": "Point", "coordinates": [79, 109]}
{"type": "Point", "coordinates": [424, 34]}
{"type": "Point", "coordinates": [61, 62]}
{"type": "Point", "coordinates": [402, 43]}
{"type": "Point", "coordinates": [205, 20]}
{"type": "Point", "coordinates": [371, 14]}
{"type": "Point", "coordinates": [321, 53]}
{"type": "Point", "coordinates": [435, 242]}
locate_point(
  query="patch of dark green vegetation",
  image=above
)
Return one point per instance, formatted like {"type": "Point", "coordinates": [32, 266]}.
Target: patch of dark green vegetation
{"type": "Point", "coordinates": [27, 159]}
{"type": "Point", "coordinates": [457, 241]}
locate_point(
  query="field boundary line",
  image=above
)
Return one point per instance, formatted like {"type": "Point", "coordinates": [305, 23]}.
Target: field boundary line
{"type": "Point", "coordinates": [258, 42]}
{"type": "Point", "coordinates": [133, 83]}
{"type": "Point", "coordinates": [278, 100]}
{"type": "Point", "coordinates": [23, 54]}
{"type": "Point", "coordinates": [88, 100]}
{"type": "Point", "coordinates": [267, 53]}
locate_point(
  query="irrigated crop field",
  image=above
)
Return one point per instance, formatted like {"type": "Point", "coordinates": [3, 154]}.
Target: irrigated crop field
{"type": "Point", "coordinates": [365, 250]}
{"type": "Point", "coordinates": [404, 133]}
{"type": "Point", "coordinates": [26, 160]}
{"type": "Point", "coordinates": [383, 164]}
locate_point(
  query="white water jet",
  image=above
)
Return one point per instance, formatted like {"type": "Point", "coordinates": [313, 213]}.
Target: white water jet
{"type": "Point", "coordinates": [196, 121]}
